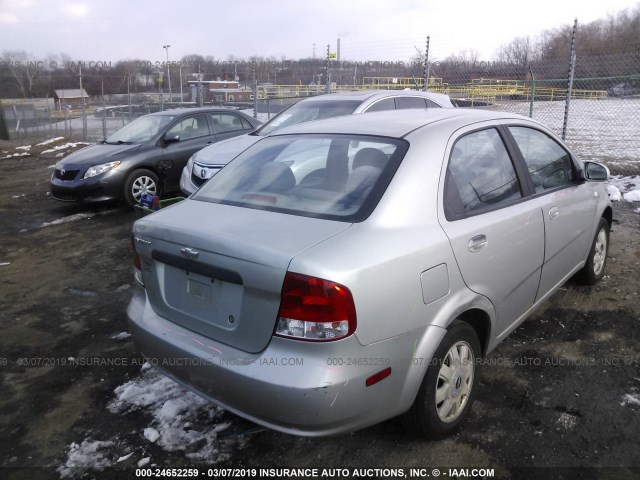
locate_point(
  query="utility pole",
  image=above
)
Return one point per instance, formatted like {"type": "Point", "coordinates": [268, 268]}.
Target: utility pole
{"type": "Point", "coordinates": [426, 67]}
{"type": "Point", "coordinates": [328, 90]}
{"type": "Point", "coordinates": [104, 114]}
{"type": "Point", "coordinates": [129, 95]}
{"type": "Point", "coordinates": [181, 96]}
{"type": "Point", "coordinates": [255, 89]}
{"type": "Point", "coordinates": [166, 47]}
{"type": "Point", "coordinates": [160, 85]}
{"type": "Point", "coordinates": [572, 66]}
{"type": "Point", "coordinates": [84, 115]}
{"type": "Point", "coordinates": [338, 59]}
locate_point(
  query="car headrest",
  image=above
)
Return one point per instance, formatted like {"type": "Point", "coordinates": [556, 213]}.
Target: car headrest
{"type": "Point", "coordinates": [275, 177]}
{"type": "Point", "coordinates": [370, 157]}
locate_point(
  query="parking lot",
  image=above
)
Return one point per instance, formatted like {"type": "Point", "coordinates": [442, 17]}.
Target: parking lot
{"type": "Point", "coordinates": [562, 391]}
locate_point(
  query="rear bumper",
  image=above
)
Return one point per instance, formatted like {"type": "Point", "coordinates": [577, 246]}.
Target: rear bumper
{"type": "Point", "coordinates": [300, 388]}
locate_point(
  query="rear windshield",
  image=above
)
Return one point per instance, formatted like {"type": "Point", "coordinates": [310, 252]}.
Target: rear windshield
{"type": "Point", "coordinates": [337, 177]}
{"type": "Point", "coordinates": [308, 111]}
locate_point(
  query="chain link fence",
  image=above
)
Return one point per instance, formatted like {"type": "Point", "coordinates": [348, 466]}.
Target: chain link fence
{"type": "Point", "coordinates": [598, 112]}
{"type": "Point", "coordinates": [600, 119]}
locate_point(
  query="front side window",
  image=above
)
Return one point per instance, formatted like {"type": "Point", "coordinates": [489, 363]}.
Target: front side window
{"type": "Point", "coordinates": [338, 177]}
{"type": "Point", "coordinates": [480, 174]}
{"type": "Point", "coordinates": [549, 164]}
{"type": "Point", "coordinates": [191, 127]}
{"type": "Point", "coordinates": [383, 105]}
{"type": "Point", "coordinates": [141, 130]}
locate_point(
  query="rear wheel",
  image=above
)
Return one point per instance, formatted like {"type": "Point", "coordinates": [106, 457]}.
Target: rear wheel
{"type": "Point", "coordinates": [593, 270]}
{"type": "Point", "coordinates": [448, 388]}
{"type": "Point", "coordinates": [140, 182]}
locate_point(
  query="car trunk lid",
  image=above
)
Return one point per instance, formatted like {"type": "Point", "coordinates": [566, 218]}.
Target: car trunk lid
{"type": "Point", "coordinates": [218, 270]}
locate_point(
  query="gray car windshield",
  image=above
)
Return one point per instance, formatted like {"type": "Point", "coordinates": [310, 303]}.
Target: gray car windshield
{"type": "Point", "coordinates": [308, 111]}
{"type": "Point", "coordinates": [140, 130]}
{"type": "Point", "coordinates": [339, 177]}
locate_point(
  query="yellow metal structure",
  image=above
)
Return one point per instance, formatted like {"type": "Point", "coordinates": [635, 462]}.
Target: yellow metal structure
{"type": "Point", "coordinates": [479, 91]}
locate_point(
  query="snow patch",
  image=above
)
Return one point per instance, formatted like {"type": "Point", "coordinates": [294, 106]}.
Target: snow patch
{"type": "Point", "coordinates": [64, 147]}
{"type": "Point", "coordinates": [630, 399]}
{"type": "Point", "coordinates": [90, 453]}
{"type": "Point", "coordinates": [24, 147]}
{"type": "Point", "coordinates": [624, 187]}
{"type": "Point", "coordinates": [567, 421]}
{"type": "Point", "coordinates": [632, 196]}
{"type": "Point", "coordinates": [614, 193]}
{"type": "Point", "coordinates": [151, 434]}
{"type": "Point", "coordinates": [124, 458]}
{"type": "Point", "coordinates": [182, 420]}
{"type": "Point", "coordinates": [121, 336]}
{"type": "Point", "coordinates": [23, 154]}
{"type": "Point", "coordinates": [69, 219]}
{"type": "Point", "coordinates": [76, 217]}
{"type": "Point", "coordinates": [51, 140]}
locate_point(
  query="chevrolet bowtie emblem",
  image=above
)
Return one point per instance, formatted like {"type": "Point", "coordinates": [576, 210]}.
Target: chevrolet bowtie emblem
{"type": "Point", "coordinates": [189, 253]}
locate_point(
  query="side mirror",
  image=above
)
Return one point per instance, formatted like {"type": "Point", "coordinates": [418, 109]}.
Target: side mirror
{"type": "Point", "coordinates": [171, 138]}
{"type": "Point", "coordinates": [595, 172]}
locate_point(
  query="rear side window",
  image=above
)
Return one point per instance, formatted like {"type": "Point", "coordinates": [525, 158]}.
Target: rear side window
{"type": "Point", "coordinates": [245, 124]}
{"type": "Point", "coordinates": [549, 164]}
{"type": "Point", "coordinates": [410, 102]}
{"type": "Point", "coordinates": [338, 177]}
{"type": "Point", "coordinates": [226, 122]}
{"type": "Point", "coordinates": [480, 175]}
{"type": "Point", "coordinates": [191, 127]}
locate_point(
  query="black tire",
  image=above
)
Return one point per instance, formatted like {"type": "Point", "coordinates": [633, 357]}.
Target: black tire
{"type": "Point", "coordinates": [139, 182]}
{"type": "Point", "coordinates": [593, 270]}
{"type": "Point", "coordinates": [425, 417]}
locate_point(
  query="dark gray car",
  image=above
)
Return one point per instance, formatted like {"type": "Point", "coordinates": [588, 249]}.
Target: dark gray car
{"type": "Point", "coordinates": [145, 156]}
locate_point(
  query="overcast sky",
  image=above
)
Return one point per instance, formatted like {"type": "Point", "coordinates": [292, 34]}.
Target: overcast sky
{"type": "Point", "coordinates": [110, 30]}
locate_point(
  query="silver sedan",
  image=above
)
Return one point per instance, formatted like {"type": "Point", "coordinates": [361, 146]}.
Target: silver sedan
{"type": "Point", "coordinates": [342, 272]}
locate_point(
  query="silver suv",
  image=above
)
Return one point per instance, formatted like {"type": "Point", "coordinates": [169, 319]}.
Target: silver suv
{"type": "Point", "coordinates": [207, 162]}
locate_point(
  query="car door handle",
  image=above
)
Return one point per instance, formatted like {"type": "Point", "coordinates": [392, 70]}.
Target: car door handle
{"type": "Point", "coordinates": [208, 143]}
{"type": "Point", "coordinates": [477, 243]}
{"type": "Point", "coordinates": [554, 212]}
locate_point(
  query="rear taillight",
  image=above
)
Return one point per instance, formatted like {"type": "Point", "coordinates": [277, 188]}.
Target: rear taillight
{"type": "Point", "coordinates": [315, 309]}
{"type": "Point", "coordinates": [137, 266]}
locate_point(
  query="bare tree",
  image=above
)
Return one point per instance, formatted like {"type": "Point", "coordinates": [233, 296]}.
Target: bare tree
{"type": "Point", "coordinates": [23, 70]}
{"type": "Point", "coordinates": [518, 51]}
